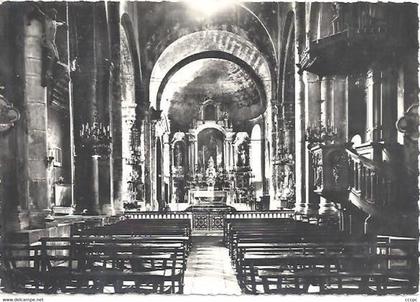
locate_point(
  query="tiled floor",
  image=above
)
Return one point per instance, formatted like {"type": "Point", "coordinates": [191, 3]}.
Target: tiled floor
{"type": "Point", "coordinates": [209, 271]}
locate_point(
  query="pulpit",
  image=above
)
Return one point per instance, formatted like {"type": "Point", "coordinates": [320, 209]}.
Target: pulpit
{"type": "Point", "coordinates": [330, 169]}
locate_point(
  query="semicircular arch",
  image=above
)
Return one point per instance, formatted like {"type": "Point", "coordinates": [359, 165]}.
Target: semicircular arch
{"type": "Point", "coordinates": [208, 43]}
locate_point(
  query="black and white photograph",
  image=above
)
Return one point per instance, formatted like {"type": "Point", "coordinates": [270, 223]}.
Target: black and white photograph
{"type": "Point", "coordinates": [209, 148]}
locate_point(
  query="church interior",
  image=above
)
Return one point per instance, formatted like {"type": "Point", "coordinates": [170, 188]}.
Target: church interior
{"type": "Point", "coordinates": [209, 147]}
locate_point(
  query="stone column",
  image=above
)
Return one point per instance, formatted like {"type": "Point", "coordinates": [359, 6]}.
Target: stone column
{"type": "Point", "coordinates": [166, 165]}
{"type": "Point", "coordinates": [389, 104]}
{"type": "Point", "coordinates": [191, 154]}
{"type": "Point", "coordinates": [86, 110]}
{"type": "Point", "coordinates": [195, 152]}
{"type": "Point", "coordinates": [373, 101]}
{"type": "Point", "coordinates": [96, 208]}
{"type": "Point", "coordinates": [229, 151]}
{"type": "Point", "coordinates": [300, 172]}
{"type": "Point", "coordinates": [128, 120]}
{"type": "Point", "coordinates": [326, 207]}
{"type": "Point", "coordinates": [326, 101]}
{"type": "Point", "coordinates": [32, 145]}
{"type": "Point", "coordinates": [312, 119]}
{"type": "Point", "coordinates": [340, 105]}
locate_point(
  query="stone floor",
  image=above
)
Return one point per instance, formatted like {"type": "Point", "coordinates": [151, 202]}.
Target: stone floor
{"type": "Point", "coordinates": [209, 270]}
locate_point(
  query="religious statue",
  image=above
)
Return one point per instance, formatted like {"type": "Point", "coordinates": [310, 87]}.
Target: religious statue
{"type": "Point", "coordinates": [50, 30]}
{"type": "Point", "coordinates": [211, 172]}
{"type": "Point", "coordinates": [318, 175]}
{"type": "Point", "coordinates": [178, 158]}
{"type": "Point", "coordinates": [50, 24]}
{"type": "Point", "coordinates": [242, 159]}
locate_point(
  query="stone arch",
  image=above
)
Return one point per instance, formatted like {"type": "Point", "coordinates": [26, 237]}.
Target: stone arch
{"type": "Point", "coordinates": [128, 30]}
{"type": "Point", "coordinates": [210, 125]}
{"type": "Point", "coordinates": [220, 55]}
{"type": "Point", "coordinates": [207, 44]}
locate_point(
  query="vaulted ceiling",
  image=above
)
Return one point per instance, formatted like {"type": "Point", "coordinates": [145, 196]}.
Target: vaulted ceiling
{"type": "Point", "coordinates": [218, 79]}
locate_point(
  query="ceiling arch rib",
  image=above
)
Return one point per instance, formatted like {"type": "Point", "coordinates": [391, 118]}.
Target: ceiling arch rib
{"type": "Point", "coordinates": [208, 42]}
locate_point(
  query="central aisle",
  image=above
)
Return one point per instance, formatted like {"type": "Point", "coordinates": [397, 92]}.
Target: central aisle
{"type": "Point", "coordinates": [209, 271]}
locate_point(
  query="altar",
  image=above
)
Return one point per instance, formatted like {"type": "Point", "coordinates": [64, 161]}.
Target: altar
{"type": "Point", "coordinates": [206, 196]}
{"type": "Point", "coordinates": [210, 163]}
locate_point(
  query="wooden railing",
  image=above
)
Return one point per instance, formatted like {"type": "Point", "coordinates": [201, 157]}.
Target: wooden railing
{"type": "Point", "coordinates": [338, 171]}
{"type": "Point", "coordinates": [157, 215]}
{"type": "Point", "coordinates": [370, 181]}
{"type": "Point", "coordinates": [262, 215]}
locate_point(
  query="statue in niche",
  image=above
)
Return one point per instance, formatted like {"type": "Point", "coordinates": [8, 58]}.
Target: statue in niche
{"type": "Point", "coordinates": [242, 160]}
{"type": "Point", "coordinates": [318, 170]}
{"type": "Point", "coordinates": [211, 171]}
{"type": "Point", "coordinates": [179, 155]}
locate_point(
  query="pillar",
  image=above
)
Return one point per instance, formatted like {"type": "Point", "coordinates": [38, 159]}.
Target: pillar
{"type": "Point", "coordinates": [340, 108]}
{"type": "Point", "coordinates": [88, 106]}
{"type": "Point", "coordinates": [166, 166]}
{"type": "Point", "coordinates": [191, 153]}
{"type": "Point", "coordinates": [389, 105]}
{"type": "Point", "coordinates": [312, 119]}
{"type": "Point", "coordinates": [326, 206]}
{"type": "Point", "coordinates": [32, 144]}
{"type": "Point", "coordinates": [326, 101]}
{"type": "Point", "coordinates": [300, 171]}
{"type": "Point", "coordinates": [95, 209]}
{"type": "Point", "coordinates": [229, 151]}
{"type": "Point", "coordinates": [373, 102]}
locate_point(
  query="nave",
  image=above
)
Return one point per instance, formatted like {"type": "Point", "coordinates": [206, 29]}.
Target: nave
{"type": "Point", "coordinates": [206, 146]}
{"type": "Point", "coordinates": [254, 255]}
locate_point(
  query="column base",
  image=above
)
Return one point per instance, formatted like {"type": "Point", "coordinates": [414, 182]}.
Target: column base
{"type": "Point", "coordinates": [300, 208]}
{"type": "Point", "coordinates": [312, 210]}
{"type": "Point", "coordinates": [107, 209]}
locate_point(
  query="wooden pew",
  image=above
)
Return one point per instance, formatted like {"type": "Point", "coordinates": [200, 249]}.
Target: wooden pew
{"type": "Point", "coordinates": [345, 266]}
{"type": "Point", "coordinates": [282, 237]}
{"type": "Point", "coordinates": [91, 253]}
{"type": "Point", "coordinates": [20, 268]}
{"type": "Point", "coordinates": [87, 264]}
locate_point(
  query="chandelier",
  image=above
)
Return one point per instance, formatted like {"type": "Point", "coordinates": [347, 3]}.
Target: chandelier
{"type": "Point", "coordinates": [96, 137]}
{"type": "Point", "coordinates": [321, 134]}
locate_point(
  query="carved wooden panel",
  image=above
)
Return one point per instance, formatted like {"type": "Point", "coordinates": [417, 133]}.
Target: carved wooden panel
{"type": "Point", "coordinates": [216, 222]}
{"type": "Point", "coordinates": [208, 221]}
{"type": "Point", "coordinates": [200, 221]}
